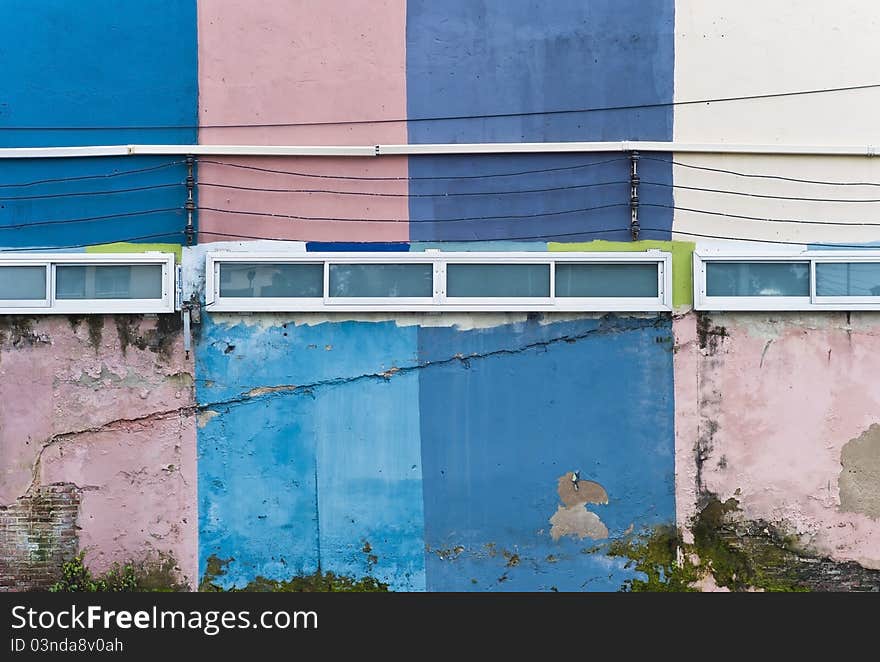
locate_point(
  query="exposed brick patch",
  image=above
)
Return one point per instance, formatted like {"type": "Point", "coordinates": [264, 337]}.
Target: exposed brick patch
{"type": "Point", "coordinates": [37, 534]}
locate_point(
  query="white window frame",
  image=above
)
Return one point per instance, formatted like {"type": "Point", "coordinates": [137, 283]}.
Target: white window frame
{"type": "Point", "coordinates": [439, 300]}
{"type": "Point", "coordinates": [53, 306]}
{"type": "Point", "coordinates": [702, 301]}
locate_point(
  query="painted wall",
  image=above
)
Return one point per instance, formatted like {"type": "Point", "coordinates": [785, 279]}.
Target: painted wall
{"type": "Point", "coordinates": [100, 406]}
{"type": "Point", "coordinates": [720, 52]}
{"type": "Point", "coordinates": [411, 447]}
{"type": "Point", "coordinates": [474, 62]}
{"type": "Point", "coordinates": [316, 71]}
{"type": "Point", "coordinates": [61, 88]}
{"type": "Point", "coordinates": [435, 452]}
{"type": "Point", "coordinates": [776, 410]}
{"type": "Point", "coordinates": [103, 404]}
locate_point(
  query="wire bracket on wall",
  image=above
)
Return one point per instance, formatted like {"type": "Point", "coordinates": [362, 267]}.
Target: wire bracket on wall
{"type": "Point", "coordinates": [190, 206]}
{"type": "Point", "coordinates": [634, 195]}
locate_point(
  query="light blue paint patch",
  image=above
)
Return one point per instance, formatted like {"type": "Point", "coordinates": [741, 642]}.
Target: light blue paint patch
{"type": "Point", "coordinates": [257, 498]}
{"type": "Point", "coordinates": [844, 247]}
{"type": "Point", "coordinates": [524, 404]}
{"type": "Point", "coordinates": [370, 479]}
{"type": "Point", "coordinates": [336, 441]}
{"type": "Point", "coordinates": [469, 246]}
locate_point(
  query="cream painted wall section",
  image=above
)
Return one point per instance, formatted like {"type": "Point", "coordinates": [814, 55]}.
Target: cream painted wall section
{"type": "Point", "coordinates": [726, 49]}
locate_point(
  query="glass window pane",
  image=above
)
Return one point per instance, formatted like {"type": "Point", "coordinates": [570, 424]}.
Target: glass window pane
{"type": "Point", "coordinates": [108, 281]}
{"type": "Point", "coordinates": [271, 280]}
{"type": "Point", "coordinates": [606, 280]}
{"type": "Point", "coordinates": [22, 283]}
{"type": "Point", "coordinates": [381, 280]}
{"type": "Point", "coordinates": [498, 280]}
{"type": "Point", "coordinates": [758, 279]}
{"type": "Point", "coordinates": [848, 279]}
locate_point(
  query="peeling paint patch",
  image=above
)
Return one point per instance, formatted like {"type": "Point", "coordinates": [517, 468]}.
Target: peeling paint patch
{"type": "Point", "coordinates": [266, 390]}
{"type": "Point", "coordinates": [573, 519]}
{"type": "Point", "coordinates": [577, 522]}
{"type": "Point", "coordinates": [582, 492]}
{"type": "Point", "coordinates": [859, 480]}
{"type": "Point", "coordinates": [204, 417]}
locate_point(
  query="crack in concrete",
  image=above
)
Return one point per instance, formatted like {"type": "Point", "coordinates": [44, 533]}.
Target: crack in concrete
{"type": "Point", "coordinates": [395, 371]}
{"type": "Point", "coordinates": [260, 393]}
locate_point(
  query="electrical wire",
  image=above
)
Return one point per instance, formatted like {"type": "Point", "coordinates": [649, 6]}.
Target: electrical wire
{"type": "Point", "coordinates": [564, 111]}
{"type": "Point", "coordinates": [404, 220]}
{"type": "Point", "coordinates": [759, 218]}
{"type": "Point", "coordinates": [86, 219]}
{"type": "Point", "coordinates": [411, 195]}
{"type": "Point", "coordinates": [407, 178]}
{"type": "Point", "coordinates": [754, 240]}
{"type": "Point", "coordinates": [758, 176]}
{"type": "Point", "coordinates": [536, 236]}
{"type": "Point", "coordinates": [91, 193]}
{"type": "Point", "coordinates": [95, 243]}
{"type": "Point", "coordinates": [86, 177]}
{"type": "Point", "coordinates": [758, 195]}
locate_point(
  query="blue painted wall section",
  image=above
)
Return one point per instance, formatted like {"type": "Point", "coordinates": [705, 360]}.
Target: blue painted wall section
{"type": "Point", "coordinates": [429, 456]}
{"type": "Point", "coordinates": [476, 61]}
{"type": "Point", "coordinates": [65, 71]}
{"type": "Point", "coordinates": [311, 452]}
{"type": "Point", "coordinates": [523, 405]}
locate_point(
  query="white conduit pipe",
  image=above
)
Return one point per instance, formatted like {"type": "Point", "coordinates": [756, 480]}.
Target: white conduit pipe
{"type": "Point", "coordinates": [464, 148]}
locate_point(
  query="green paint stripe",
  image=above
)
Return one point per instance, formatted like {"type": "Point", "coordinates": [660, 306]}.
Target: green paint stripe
{"type": "Point", "coordinates": [682, 260]}
{"type": "Point", "coordinates": [122, 247]}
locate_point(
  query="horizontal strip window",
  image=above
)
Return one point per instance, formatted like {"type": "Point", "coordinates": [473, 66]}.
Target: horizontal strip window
{"type": "Point", "coordinates": [68, 283]}
{"type": "Point", "coordinates": [805, 280]}
{"type": "Point", "coordinates": [434, 280]}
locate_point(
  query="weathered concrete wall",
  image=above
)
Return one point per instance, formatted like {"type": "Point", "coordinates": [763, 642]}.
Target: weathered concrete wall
{"type": "Point", "coordinates": [419, 448]}
{"type": "Point", "coordinates": [779, 412]}
{"type": "Point", "coordinates": [106, 405]}
{"type": "Point", "coordinates": [100, 403]}
{"type": "Point", "coordinates": [427, 456]}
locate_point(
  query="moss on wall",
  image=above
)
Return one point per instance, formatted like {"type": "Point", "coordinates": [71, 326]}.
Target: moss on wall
{"type": "Point", "coordinates": [318, 582]}
{"type": "Point", "coordinates": [736, 553]}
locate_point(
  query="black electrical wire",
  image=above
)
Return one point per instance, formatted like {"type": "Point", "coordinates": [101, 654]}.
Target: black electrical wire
{"type": "Point", "coordinates": [758, 176]}
{"type": "Point", "coordinates": [404, 220]}
{"type": "Point", "coordinates": [95, 243]}
{"type": "Point", "coordinates": [121, 173]}
{"type": "Point", "coordinates": [754, 240]}
{"type": "Point", "coordinates": [759, 218]}
{"type": "Point", "coordinates": [407, 178]}
{"type": "Point", "coordinates": [92, 193]}
{"type": "Point", "coordinates": [564, 111]}
{"type": "Point", "coordinates": [87, 219]}
{"type": "Point", "coordinates": [536, 236]}
{"type": "Point", "coordinates": [411, 195]}
{"type": "Point", "coordinates": [759, 195]}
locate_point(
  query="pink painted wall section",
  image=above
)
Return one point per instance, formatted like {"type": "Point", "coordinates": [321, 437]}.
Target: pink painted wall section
{"type": "Point", "coordinates": [105, 404]}
{"type": "Point", "coordinates": [295, 64]}
{"type": "Point", "coordinates": [776, 412]}
{"type": "Point", "coordinates": [284, 211]}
